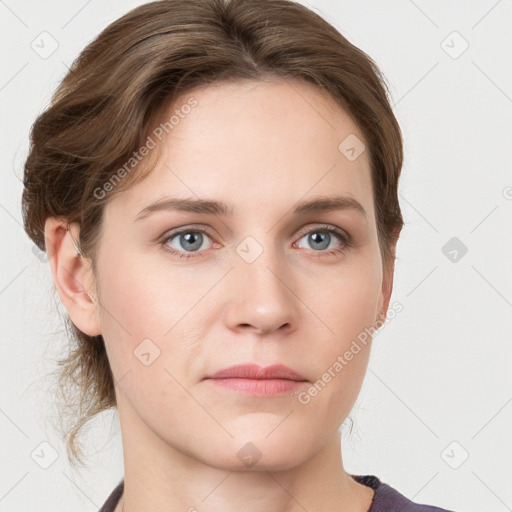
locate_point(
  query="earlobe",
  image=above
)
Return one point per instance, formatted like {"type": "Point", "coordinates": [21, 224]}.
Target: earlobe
{"type": "Point", "coordinates": [72, 274]}
{"type": "Point", "coordinates": [387, 289]}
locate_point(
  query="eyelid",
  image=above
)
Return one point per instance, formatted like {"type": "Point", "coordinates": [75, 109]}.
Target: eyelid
{"type": "Point", "coordinates": [324, 227]}
{"type": "Point", "coordinates": [185, 229]}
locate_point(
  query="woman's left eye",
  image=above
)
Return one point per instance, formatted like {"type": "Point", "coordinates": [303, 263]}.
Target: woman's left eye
{"type": "Point", "coordinates": [190, 241]}
{"type": "Point", "coordinates": [323, 236]}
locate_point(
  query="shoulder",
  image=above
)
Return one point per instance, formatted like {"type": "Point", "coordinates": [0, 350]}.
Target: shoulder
{"type": "Point", "coordinates": [387, 498]}
{"type": "Point", "coordinates": [113, 499]}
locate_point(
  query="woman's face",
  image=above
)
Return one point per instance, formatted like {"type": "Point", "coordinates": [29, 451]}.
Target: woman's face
{"type": "Point", "coordinates": [188, 291]}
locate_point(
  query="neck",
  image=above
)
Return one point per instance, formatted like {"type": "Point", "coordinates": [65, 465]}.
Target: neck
{"type": "Point", "coordinates": [162, 479]}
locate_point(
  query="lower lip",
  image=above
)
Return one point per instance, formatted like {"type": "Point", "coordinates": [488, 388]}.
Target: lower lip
{"type": "Point", "coordinates": [264, 387]}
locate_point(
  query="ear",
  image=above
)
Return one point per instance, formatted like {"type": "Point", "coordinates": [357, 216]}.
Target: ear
{"type": "Point", "coordinates": [72, 274]}
{"type": "Point", "coordinates": [387, 289]}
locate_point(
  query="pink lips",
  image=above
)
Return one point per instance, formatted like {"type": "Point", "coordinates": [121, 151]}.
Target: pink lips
{"type": "Point", "coordinates": [253, 379]}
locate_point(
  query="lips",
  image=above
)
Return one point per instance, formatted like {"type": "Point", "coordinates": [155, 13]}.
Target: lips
{"type": "Point", "coordinates": [255, 380]}
{"type": "Point", "coordinates": [253, 371]}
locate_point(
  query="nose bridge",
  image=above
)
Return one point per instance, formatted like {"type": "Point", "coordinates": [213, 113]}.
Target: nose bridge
{"type": "Point", "coordinates": [261, 264]}
{"type": "Point", "coordinates": [263, 297]}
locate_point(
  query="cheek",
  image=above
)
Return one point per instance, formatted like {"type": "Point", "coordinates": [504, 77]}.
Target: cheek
{"type": "Point", "coordinates": [348, 303]}
{"type": "Point", "coordinates": [131, 308]}
{"type": "Point", "coordinates": [349, 308]}
{"type": "Point", "coordinates": [141, 298]}
{"type": "Point", "coordinates": [145, 309]}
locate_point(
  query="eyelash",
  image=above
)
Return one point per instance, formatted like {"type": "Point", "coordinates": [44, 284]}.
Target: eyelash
{"type": "Point", "coordinates": [344, 237]}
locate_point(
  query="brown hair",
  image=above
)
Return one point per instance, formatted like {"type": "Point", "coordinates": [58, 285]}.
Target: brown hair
{"type": "Point", "coordinates": [119, 89]}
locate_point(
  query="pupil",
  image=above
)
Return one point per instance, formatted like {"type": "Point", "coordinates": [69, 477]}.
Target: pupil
{"type": "Point", "coordinates": [190, 238]}
{"type": "Point", "coordinates": [317, 238]}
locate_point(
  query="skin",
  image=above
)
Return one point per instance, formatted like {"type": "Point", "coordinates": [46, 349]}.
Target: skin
{"type": "Point", "coordinates": [261, 147]}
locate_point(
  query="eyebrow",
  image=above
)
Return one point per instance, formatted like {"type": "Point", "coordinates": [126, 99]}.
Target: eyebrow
{"type": "Point", "coordinates": [213, 207]}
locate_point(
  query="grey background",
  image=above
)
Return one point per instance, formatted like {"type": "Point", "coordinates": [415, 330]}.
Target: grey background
{"type": "Point", "coordinates": [438, 387]}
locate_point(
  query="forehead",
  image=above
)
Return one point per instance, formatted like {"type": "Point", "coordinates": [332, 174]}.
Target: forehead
{"type": "Point", "coordinates": [253, 144]}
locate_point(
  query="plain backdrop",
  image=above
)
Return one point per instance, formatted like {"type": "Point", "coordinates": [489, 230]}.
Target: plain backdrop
{"type": "Point", "coordinates": [434, 416]}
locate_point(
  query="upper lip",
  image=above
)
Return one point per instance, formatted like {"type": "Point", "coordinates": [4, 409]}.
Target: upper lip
{"type": "Point", "coordinates": [254, 371]}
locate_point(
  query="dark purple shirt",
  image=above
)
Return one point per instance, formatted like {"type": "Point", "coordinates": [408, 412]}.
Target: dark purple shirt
{"type": "Point", "coordinates": [385, 499]}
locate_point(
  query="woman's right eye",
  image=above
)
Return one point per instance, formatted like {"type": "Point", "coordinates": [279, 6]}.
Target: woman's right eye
{"type": "Point", "coordinates": [185, 240]}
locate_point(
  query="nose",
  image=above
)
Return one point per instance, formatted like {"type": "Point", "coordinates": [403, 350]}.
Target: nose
{"type": "Point", "coordinates": [261, 297]}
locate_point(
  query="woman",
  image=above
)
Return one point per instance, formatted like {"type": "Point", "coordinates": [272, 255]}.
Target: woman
{"type": "Point", "coordinates": [253, 131]}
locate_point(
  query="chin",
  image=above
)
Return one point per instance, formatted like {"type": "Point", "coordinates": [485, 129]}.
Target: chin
{"type": "Point", "coordinates": [279, 451]}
